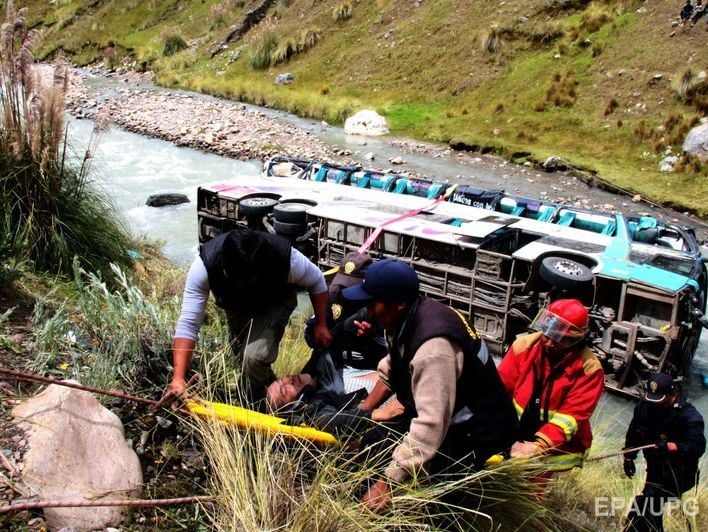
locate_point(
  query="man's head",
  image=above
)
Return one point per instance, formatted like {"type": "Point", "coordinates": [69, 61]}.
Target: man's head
{"type": "Point", "coordinates": [388, 288]}
{"type": "Point", "coordinates": [287, 390]}
{"type": "Point", "coordinates": [563, 324]}
{"type": "Point", "coordinates": [660, 390]}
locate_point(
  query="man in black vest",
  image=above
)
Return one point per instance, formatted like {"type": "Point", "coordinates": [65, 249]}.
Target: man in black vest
{"type": "Point", "coordinates": [456, 410]}
{"type": "Point", "coordinates": [669, 421]}
{"type": "Point", "coordinates": [253, 276]}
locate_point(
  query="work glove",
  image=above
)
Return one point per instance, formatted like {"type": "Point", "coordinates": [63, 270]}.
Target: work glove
{"type": "Point", "coordinates": [629, 468]}
{"type": "Point", "coordinates": [664, 447]}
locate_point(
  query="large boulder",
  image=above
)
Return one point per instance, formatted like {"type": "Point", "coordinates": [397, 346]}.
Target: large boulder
{"type": "Point", "coordinates": [163, 200]}
{"type": "Point", "coordinates": [77, 451]}
{"type": "Point", "coordinates": [366, 122]}
{"type": "Point", "coordinates": [696, 142]}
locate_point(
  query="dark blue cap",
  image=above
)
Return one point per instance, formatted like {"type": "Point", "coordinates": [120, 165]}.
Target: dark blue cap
{"type": "Point", "coordinates": [387, 280]}
{"type": "Point", "coordinates": [659, 385]}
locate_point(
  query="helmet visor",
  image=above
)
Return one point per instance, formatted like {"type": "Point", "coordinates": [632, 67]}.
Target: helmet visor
{"type": "Point", "coordinates": [557, 328]}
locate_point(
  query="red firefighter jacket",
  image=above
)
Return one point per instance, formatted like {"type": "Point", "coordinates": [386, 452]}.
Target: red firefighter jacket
{"type": "Point", "coordinates": [575, 390]}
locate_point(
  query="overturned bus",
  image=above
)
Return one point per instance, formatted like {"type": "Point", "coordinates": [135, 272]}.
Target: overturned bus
{"type": "Point", "coordinates": [496, 257]}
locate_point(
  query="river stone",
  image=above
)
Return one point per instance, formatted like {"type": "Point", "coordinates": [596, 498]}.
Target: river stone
{"type": "Point", "coordinates": [77, 448]}
{"type": "Point", "coordinates": [163, 200]}
{"type": "Point", "coordinates": [366, 122]}
{"type": "Point", "coordinates": [696, 142]}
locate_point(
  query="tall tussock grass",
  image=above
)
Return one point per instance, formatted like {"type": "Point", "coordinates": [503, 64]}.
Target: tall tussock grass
{"type": "Point", "coordinates": [691, 87]}
{"type": "Point", "coordinates": [54, 213]}
{"type": "Point", "coordinates": [110, 337]}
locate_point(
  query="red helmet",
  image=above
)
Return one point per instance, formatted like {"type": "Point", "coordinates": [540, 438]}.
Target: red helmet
{"type": "Point", "coordinates": [570, 310]}
{"type": "Point", "coordinates": [565, 321]}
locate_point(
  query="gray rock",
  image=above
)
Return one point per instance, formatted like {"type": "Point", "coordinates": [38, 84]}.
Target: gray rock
{"type": "Point", "coordinates": [77, 448]}
{"type": "Point", "coordinates": [667, 163]}
{"type": "Point", "coordinates": [553, 163]}
{"type": "Point", "coordinates": [696, 143]}
{"type": "Point", "coordinates": [366, 122]}
{"type": "Point", "coordinates": [284, 79]}
{"type": "Point", "coordinates": [163, 200]}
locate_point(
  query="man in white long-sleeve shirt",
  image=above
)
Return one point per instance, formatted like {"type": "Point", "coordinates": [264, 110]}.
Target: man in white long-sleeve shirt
{"type": "Point", "coordinates": [254, 277]}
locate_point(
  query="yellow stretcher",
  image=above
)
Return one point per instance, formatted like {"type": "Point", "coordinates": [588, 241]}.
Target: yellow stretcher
{"type": "Point", "coordinates": [250, 419]}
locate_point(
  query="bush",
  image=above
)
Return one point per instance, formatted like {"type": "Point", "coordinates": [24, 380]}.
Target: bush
{"type": "Point", "coordinates": [173, 44]}
{"type": "Point", "coordinates": [284, 51]}
{"type": "Point", "coordinates": [492, 41]}
{"type": "Point", "coordinates": [342, 11]}
{"type": "Point", "coordinates": [262, 55]}
{"type": "Point", "coordinates": [691, 87]}
{"type": "Point", "coordinates": [308, 39]}
{"type": "Point", "coordinates": [53, 212]}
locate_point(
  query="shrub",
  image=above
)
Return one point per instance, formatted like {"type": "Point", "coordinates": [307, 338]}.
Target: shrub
{"type": "Point", "coordinates": [545, 34]}
{"type": "Point", "coordinates": [308, 39]}
{"type": "Point", "coordinates": [262, 55]}
{"type": "Point", "coordinates": [284, 51]}
{"type": "Point", "coordinates": [691, 87]}
{"type": "Point", "coordinates": [173, 44]}
{"type": "Point", "coordinates": [492, 40]}
{"type": "Point", "coordinates": [55, 214]}
{"type": "Point", "coordinates": [611, 106]}
{"type": "Point", "coordinates": [342, 11]}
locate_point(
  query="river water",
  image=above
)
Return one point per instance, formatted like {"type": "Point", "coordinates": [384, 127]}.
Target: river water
{"type": "Point", "coordinates": [130, 167]}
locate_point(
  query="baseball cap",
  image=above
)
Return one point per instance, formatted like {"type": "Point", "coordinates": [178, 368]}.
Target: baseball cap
{"type": "Point", "coordinates": [352, 268]}
{"type": "Point", "coordinates": [659, 385]}
{"type": "Point", "coordinates": [386, 280]}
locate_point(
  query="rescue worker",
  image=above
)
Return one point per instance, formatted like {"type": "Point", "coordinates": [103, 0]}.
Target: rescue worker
{"type": "Point", "coordinates": [555, 382]}
{"type": "Point", "coordinates": [672, 423]}
{"type": "Point", "coordinates": [456, 411]}
{"type": "Point", "coordinates": [254, 277]}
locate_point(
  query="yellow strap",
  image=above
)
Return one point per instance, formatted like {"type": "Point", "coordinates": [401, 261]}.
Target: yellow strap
{"type": "Point", "coordinates": [331, 271]}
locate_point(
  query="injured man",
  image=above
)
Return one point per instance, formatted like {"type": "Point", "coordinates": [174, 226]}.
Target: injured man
{"type": "Point", "coordinates": [328, 398]}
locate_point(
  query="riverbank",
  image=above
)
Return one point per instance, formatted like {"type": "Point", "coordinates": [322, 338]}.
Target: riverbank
{"type": "Point", "coordinates": [132, 102]}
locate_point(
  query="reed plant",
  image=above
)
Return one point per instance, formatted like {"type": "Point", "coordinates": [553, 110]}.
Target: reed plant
{"type": "Point", "coordinates": [54, 212]}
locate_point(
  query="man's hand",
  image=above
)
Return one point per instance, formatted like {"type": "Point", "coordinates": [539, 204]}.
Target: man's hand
{"type": "Point", "coordinates": [390, 410]}
{"type": "Point", "coordinates": [664, 447]}
{"type": "Point", "coordinates": [321, 335]}
{"type": "Point", "coordinates": [629, 468]}
{"type": "Point", "coordinates": [377, 497]}
{"type": "Point", "coordinates": [524, 449]}
{"type": "Point", "coordinates": [362, 327]}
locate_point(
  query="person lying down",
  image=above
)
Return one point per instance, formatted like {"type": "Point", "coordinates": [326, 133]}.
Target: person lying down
{"type": "Point", "coordinates": [328, 398]}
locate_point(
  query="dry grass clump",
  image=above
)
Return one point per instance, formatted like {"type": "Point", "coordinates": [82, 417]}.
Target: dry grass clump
{"type": "Point", "coordinates": [611, 106]}
{"type": "Point", "coordinates": [545, 33]}
{"type": "Point", "coordinates": [561, 90]}
{"type": "Point", "coordinates": [342, 11]}
{"type": "Point", "coordinates": [492, 41]}
{"type": "Point", "coordinates": [691, 87]}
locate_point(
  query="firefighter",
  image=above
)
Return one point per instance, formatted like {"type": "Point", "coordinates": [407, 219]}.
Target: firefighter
{"type": "Point", "coordinates": [555, 382]}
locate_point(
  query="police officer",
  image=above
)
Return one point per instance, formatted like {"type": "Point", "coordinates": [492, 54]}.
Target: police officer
{"type": "Point", "coordinates": [675, 427]}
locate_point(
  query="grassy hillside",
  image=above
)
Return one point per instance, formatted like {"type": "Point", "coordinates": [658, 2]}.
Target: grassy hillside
{"type": "Point", "coordinates": [596, 83]}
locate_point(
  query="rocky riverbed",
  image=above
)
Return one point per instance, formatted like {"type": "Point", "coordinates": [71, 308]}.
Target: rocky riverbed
{"type": "Point", "coordinates": [131, 101]}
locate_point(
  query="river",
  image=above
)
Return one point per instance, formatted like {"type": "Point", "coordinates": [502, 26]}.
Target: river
{"type": "Point", "coordinates": [130, 167]}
